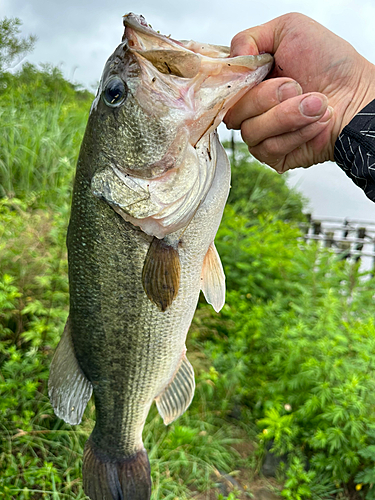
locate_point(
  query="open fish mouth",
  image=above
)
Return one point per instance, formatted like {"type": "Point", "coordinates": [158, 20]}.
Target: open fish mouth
{"type": "Point", "coordinates": [180, 58]}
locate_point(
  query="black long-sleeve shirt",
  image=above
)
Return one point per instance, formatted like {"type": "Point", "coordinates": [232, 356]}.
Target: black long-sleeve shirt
{"type": "Point", "coordinates": [355, 150]}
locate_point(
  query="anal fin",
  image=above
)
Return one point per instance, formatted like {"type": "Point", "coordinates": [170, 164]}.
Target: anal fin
{"type": "Point", "coordinates": [178, 394]}
{"type": "Point", "coordinates": [68, 388]}
{"type": "Point", "coordinates": [213, 279]}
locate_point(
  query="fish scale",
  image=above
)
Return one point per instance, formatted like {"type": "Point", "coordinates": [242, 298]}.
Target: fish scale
{"type": "Point", "coordinates": [141, 244]}
{"type": "Point", "coordinates": [126, 330]}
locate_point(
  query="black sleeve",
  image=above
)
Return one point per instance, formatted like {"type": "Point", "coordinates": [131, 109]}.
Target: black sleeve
{"type": "Point", "coordinates": [355, 150]}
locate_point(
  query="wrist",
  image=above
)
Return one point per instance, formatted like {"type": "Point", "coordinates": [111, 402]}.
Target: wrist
{"type": "Point", "coordinates": [362, 94]}
{"type": "Point", "coordinates": [355, 96]}
{"type": "Point", "coordinates": [355, 149]}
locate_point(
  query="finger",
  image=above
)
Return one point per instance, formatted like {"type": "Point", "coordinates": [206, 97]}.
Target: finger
{"type": "Point", "coordinates": [265, 37]}
{"type": "Point", "coordinates": [310, 153]}
{"type": "Point", "coordinates": [289, 116]}
{"type": "Point", "coordinates": [274, 150]}
{"type": "Point", "coordinates": [254, 40]}
{"type": "Point", "coordinates": [260, 99]}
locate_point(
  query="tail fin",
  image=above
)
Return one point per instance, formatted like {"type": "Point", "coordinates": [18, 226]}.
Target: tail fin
{"type": "Point", "coordinates": [105, 478]}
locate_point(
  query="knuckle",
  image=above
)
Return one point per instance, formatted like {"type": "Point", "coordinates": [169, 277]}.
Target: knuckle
{"type": "Point", "coordinates": [242, 40]}
{"type": "Point", "coordinates": [266, 152]}
{"type": "Point", "coordinates": [272, 149]}
{"type": "Point", "coordinates": [306, 134]}
{"type": "Point", "coordinates": [303, 134]}
{"type": "Point", "coordinates": [280, 118]}
{"type": "Point", "coordinates": [257, 155]}
{"type": "Point", "coordinates": [239, 37]}
{"type": "Point", "coordinates": [266, 94]}
{"type": "Point", "coordinates": [248, 134]}
{"type": "Point", "coordinates": [277, 163]}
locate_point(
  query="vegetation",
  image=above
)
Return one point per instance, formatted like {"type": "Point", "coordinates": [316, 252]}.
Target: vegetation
{"type": "Point", "coordinates": [13, 47]}
{"type": "Point", "coordinates": [295, 344]}
{"type": "Point", "coordinates": [287, 366]}
{"type": "Point", "coordinates": [42, 120]}
{"type": "Point", "coordinates": [263, 192]}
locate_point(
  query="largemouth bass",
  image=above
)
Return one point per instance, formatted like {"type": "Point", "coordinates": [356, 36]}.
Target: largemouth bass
{"type": "Point", "coordinates": [151, 184]}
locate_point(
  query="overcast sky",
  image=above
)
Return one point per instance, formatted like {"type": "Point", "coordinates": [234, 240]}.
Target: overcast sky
{"type": "Point", "coordinates": [79, 35]}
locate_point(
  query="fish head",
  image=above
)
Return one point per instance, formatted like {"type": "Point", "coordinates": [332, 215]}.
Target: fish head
{"type": "Point", "coordinates": [133, 135]}
{"type": "Point", "coordinates": [158, 103]}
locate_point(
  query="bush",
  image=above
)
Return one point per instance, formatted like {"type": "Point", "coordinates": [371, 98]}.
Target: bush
{"type": "Point", "coordinates": [295, 343]}
{"type": "Point", "coordinates": [257, 190]}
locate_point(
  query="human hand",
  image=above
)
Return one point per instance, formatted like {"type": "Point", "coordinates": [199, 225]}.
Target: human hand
{"type": "Point", "coordinates": [319, 82]}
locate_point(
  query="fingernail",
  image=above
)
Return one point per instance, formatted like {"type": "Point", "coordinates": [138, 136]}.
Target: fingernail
{"type": "Point", "coordinates": [288, 90]}
{"type": "Point", "coordinates": [327, 115]}
{"type": "Point", "coordinates": [311, 105]}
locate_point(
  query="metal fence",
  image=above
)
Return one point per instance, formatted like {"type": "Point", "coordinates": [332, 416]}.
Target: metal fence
{"type": "Point", "coordinates": [352, 239]}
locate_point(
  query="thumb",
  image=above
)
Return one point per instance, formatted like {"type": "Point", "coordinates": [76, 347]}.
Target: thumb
{"type": "Point", "coordinates": [243, 44]}
{"type": "Point", "coordinates": [254, 41]}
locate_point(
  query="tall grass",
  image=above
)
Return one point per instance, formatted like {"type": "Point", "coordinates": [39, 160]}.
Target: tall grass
{"type": "Point", "coordinates": [43, 161]}
{"type": "Point", "coordinates": [42, 120]}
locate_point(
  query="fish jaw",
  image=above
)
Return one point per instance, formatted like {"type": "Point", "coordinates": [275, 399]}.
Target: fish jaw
{"type": "Point", "coordinates": [142, 36]}
{"type": "Point", "coordinates": [159, 157]}
{"type": "Point", "coordinates": [198, 79]}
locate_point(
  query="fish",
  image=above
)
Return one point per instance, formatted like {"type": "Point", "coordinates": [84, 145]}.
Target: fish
{"type": "Point", "coordinates": [151, 184]}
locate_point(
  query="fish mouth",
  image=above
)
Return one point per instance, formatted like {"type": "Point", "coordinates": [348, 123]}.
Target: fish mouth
{"type": "Point", "coordinates": [167, 55]}
{"type": "Point", "coordinates": [203, 70]}
{"type": "Point", "coordinates": [182, 58]}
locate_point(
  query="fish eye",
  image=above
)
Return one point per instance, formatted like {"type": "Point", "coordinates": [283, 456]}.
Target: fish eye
{"type": "Point", "coordinates": [115, 92]}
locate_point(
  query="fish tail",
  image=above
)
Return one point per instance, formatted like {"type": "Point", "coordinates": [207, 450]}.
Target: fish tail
{"type": "Point", "coordinates": [106, 478]}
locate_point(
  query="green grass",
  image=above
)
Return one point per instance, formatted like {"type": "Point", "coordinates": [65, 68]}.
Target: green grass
{"type": "Point", "coordinates": [43, 161]}
{"type": "Point", "coordinates": [291, 352]}
{"type": "Point", "coordinates": [42, 120]}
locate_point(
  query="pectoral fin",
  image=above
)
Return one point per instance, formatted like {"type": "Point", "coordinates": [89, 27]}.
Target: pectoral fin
{"type": "Point", "coordinates": [178, 394]}
{"type": "Point", "coordinates": [213, 279]}
{"type": "Point", "coordinates": [68, 388]}
{"type": "Point", "coordinates": [161, 273]}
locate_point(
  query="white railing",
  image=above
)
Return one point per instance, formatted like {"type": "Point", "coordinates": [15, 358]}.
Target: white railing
{"type": "Point", "coordinates": [350, 238]}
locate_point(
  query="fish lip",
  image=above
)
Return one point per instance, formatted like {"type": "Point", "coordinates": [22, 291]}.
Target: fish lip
{"type": "Point", "coordinates": [135, 20]}
{"type": "Point", "coordinates": [138, 24]}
